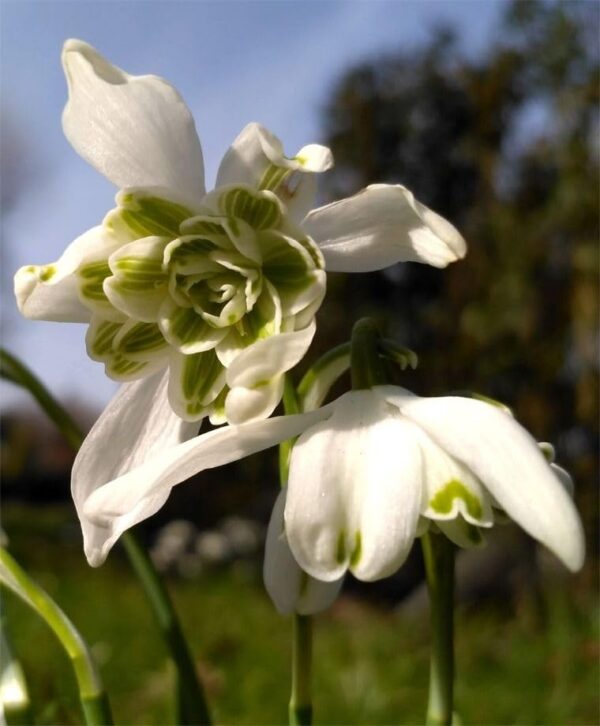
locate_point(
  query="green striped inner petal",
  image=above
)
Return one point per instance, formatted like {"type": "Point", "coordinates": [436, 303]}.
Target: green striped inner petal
{"type": "Point", "coordinates": [128, 350]}
{"type": "Point", "coordinates": [91, 277]}
{"type": "Point", "coordinates": [100, 339]}
{"type": "Point", "coordinates": [287, 266]}
{"type": "Point", "coordinates": [201, 379]}
{"type": "Point", "coordinates": [123, 369]}
{"type": "Point", "coordinates": [273, 177]}
{"type": "Point", "coordinates": [139, 274]}
{"type": "Point", "coordinates": [258, 209]}
{"type": "Point", "coordinates": [140, 341]}
{"type": "Point", "coordinates": [140, 214]}
{"type": "Point", "coordinates": [190, 255]}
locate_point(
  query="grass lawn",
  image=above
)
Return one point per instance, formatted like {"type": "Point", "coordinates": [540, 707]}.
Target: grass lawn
{"type": "Point", "coordinates": [370, 664]}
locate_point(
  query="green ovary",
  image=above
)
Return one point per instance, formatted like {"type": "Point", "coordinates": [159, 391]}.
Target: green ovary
{"type": "Point", "coordinates": [444, 498]}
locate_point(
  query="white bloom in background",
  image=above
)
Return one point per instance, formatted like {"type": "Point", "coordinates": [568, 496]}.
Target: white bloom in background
{"type": "Point", "coordinates": [366, 469]}
{"type": "Point", "coordinates": [220, 289]}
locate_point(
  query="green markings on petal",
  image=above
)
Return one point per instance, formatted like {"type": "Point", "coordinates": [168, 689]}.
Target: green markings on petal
{"type": "Point", "coordinates": [202, 378]}
{"type": "Point", "coordinates": [123, 369]}
{"type": "Point", "coordinates": [258, 210]}
{"type": "Point", "coordinates": [139, 273]}
{"type": "Point", "coordinates": [187, 326]}
{"type": "Point", "coordinates": [315, 253]}
{"type": "Point", "coordinates": [91, 277]}
{"type": "Point", "coordinates": [357, 551]}
{"type": "Point", "coordinates": [140, 214]}
{"type": "Point", "coordinates": [340, 548]}
{"type": "Point", "coordinates": [273, 177]}
{"type": "Point", "coordinates": [46, 273]}
{"type": "Point", "coordinates": [443, 500]}
{"type": "Point", "coordinates": [284, 261]}
{"type": "Point", "coordinates": [129, 350]}
{"type": "Point", "coordinates": [140, 339]}
{"type": "Point", "coordinates": [100, 340]}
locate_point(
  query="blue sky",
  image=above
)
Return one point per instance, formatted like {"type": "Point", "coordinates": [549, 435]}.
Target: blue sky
{"type": "Point", "coordinates": [234, 61]}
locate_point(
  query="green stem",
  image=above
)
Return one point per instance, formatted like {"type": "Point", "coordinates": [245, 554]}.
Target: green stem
{"type": "Point", "coordinates": [191, 701]}
{"type": "Point", "coordinates": [290, 406]}
{"type": "Point", "coordinates": [93, 699]}
{"type": "Point", "coordinates": [13, 370]}
{"type": "Point", "coordinates": [300, 713]}
{"type": "Point", "coordinates": [192, 705]}
{"type": "Point", "coordinates": [366, 365]}
{"type": "Point", "coordinates": [300, 708]}
{"type": "Point", "coordinates": [438, 554]}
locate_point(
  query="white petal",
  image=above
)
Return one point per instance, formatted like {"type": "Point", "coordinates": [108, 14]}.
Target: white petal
{"type": "Point", "coordinates": [269, 357]}
{"type": "Point", "coordinates": [249, 404]}
{"type": "Point", "coordinates": [379, 226]}
{"type": "Point", "coordinates": [138, 286]}
{"type": "Point", "coordinates": [461, 532]}
{"type": "Point", "coordinates": [136, 425]}
{"type": "Point", "coordinates": [507, 460]}
{"type": "Point", "coordinates": [289, 587]}
{"type": "Point", "coordinates": [564, 478]}
{"type": "Point", "coordinates": [140, 492]}
{"type": "Point", "coordinates": [255, 375]}
{"type": "Point", "coordinates": [136, 130]}
{"type": "Point", "coordinates": [51, 292]}
{"type": "Point", "coordinates": [354, 491]}
{"type": "Point", "coordinates": [450, 490]}
{"type": "Point", "coordinates": [317, 383]}
{"type": "Point", "coordinates": [257, 152]}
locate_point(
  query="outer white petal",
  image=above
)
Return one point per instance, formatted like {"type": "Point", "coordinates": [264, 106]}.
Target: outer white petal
{"type": "Point", "coordinates": [136, 425]}
{"type": "Point", "coordinates": [354, 491]}
{"type": "Point", "coordinates": [256, 149]}
{"type": "Point", "coordinates": [139, 493]}
{"type": "Point", "coordinates": [136, 130]}
{"type": "Point", "coordinates": [255, 375]}
{"type": "Point", "coordinates": [51, 292]}
{"type": "Point", "coordinates": [507, 460]}
{"type": "Point", "coordinates": [379, 226]}
{"type": "Point", "coordinates": [289, 587]}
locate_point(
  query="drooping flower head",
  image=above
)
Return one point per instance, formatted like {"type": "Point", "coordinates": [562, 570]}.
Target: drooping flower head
{"type": "Point", "coordinates": [364, 472]}
{"type": "Point", "coordinates": [220, 289]}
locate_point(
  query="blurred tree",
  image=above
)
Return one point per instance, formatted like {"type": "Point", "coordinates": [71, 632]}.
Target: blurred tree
{"type": "Point", "coordinates": [506, 147]}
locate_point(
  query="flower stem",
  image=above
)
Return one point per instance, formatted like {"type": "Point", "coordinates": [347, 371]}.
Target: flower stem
{"type": "Point", "coordinates": [300, 702]}
{"type": "Point", "coordinates": [192, 706]}
{"type": "Point", "coordinates": [191, 701]}
{"type": "Point", "coordinates": [94, 702]}
{"type": "Point", "coordinates": [438, 554]}
{"type": "Point", "coordinates": [300, 708]}
{"type": "Point", "coordinates": [13, 370]}
{"type": "Point", "coordinates": [366, 365]}
{"type": "Point", "coordinates": [290, 406]}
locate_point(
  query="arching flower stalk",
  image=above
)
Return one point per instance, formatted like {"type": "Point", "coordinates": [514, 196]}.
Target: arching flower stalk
{"type": "Point", "coordinates": [219, 290]}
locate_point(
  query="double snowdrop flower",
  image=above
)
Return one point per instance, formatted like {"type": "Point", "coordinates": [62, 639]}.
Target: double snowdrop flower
{"type": "Point", "coordinates": [218, 290]}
